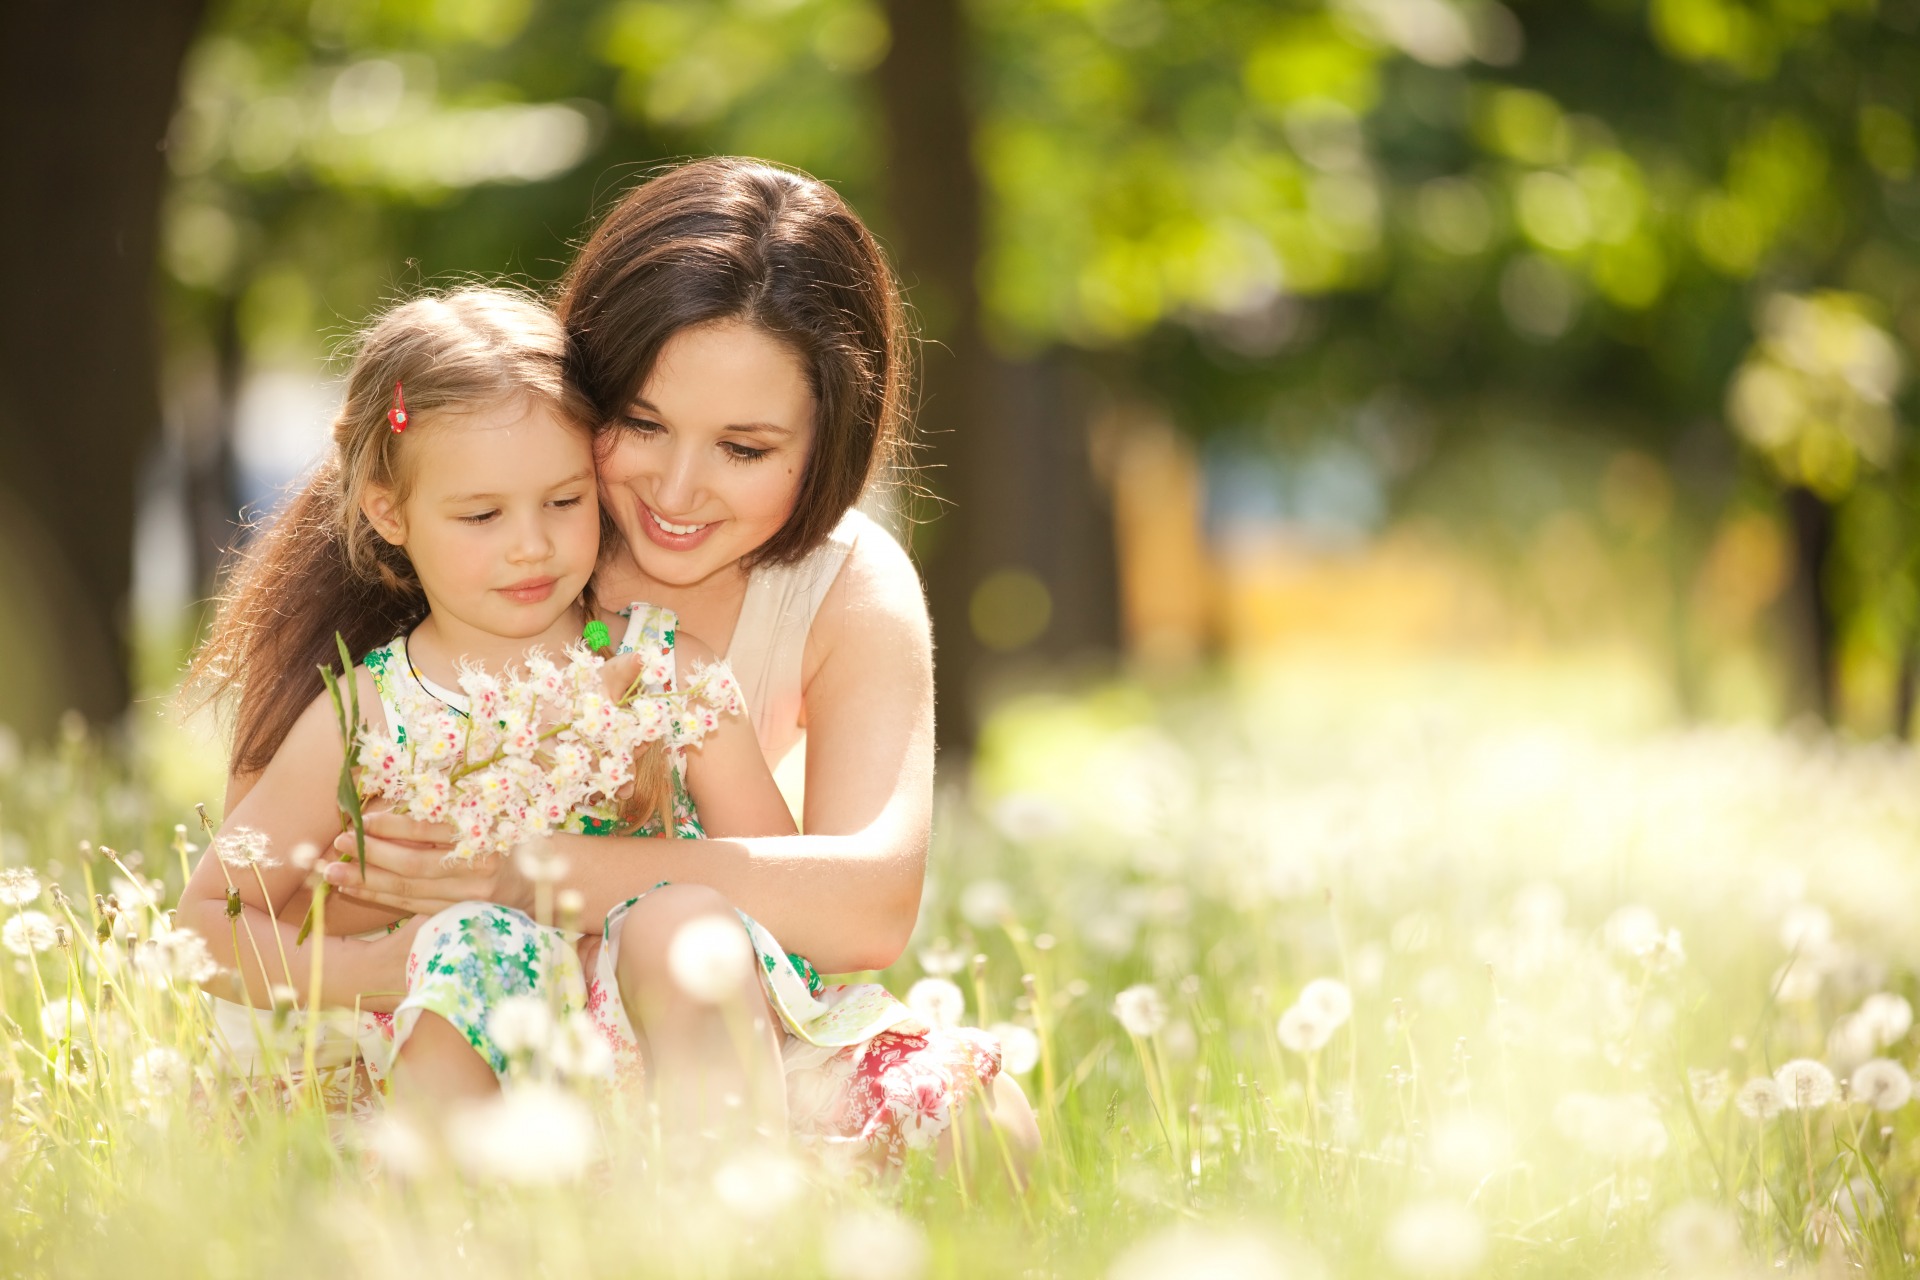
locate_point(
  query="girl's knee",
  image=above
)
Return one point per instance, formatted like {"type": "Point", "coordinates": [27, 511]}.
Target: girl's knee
{"type": "Point", "coordinates": [647, 930]}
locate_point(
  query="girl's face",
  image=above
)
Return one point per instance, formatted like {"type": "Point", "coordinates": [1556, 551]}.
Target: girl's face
{"type": "Point", "coordinates": [706, 463]}
{"type": "Point", "coordinates": [501, 524]}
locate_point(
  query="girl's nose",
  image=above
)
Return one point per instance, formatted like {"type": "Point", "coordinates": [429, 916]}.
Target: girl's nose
{"type": "Point", "coordinates": [531, 541]}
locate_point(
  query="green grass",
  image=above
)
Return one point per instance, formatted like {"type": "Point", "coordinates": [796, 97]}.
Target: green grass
{"type": "Point", "coordinates": [1549, 906]}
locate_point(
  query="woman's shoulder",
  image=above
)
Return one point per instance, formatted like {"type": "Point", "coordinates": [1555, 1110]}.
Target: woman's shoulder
{"type": "Point", "coordinates": [877, 585]}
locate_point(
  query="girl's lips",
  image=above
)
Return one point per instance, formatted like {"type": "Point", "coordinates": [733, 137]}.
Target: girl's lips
{"type": "Point", "coordinates": [673, 541]}
{"type": "Point", "coordinates": [532, 591]}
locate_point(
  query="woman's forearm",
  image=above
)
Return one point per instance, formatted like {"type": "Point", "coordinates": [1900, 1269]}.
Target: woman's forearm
{"type": "Point", "coordinates": [847, 903]}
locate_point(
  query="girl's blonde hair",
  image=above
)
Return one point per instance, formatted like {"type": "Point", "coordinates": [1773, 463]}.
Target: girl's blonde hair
{"type": "Point", "coordinates": [320, 566]}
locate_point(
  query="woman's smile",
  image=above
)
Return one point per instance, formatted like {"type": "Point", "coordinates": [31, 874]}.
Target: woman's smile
{"type": "Point", "coordinates": [673, 535]}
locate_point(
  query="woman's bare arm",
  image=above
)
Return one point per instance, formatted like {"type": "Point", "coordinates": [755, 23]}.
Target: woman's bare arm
{"type": "Point", "coordinates": [845, 894]}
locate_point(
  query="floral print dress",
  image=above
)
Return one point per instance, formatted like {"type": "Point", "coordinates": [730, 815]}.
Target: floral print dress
{"type": "Point", "coordinates": [867, 1079]}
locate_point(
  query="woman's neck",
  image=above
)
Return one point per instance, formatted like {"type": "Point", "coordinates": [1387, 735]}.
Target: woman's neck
{"type": "Point", "coordinates": [442, 642]}
{"type": "Point", "coordinates": [709, 608]}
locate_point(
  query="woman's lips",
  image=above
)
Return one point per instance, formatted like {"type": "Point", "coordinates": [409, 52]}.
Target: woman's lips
{"type": "Point", "coordinates": [532, 591]}
{"type": "Point", "coordinates": [664, 537]}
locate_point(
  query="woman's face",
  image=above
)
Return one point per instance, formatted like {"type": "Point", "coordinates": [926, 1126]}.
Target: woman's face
{"type": "Point", "coordinates": [706, 463]}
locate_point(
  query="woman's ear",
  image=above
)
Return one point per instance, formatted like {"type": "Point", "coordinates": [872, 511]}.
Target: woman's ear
{"type": "Point", "coordinates": [384, 515]}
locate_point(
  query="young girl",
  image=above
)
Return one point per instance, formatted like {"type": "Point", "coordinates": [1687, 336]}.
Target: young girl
{"type": "Point", "coordinates": [455, 519]}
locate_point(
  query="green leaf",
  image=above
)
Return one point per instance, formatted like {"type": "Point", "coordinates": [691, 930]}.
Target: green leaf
{"type": "Point", "coordinates": [346, 709]}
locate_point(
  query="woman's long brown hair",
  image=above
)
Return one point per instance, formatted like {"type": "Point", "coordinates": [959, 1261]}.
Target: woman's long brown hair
{"type": "Point", "coordinates": [319, 567]}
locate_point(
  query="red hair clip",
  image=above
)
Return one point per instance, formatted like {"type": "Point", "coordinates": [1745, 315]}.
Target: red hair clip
{"type": "Point", "coordinates": [398, 414]}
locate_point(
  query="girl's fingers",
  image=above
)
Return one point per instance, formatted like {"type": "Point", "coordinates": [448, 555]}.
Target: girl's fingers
{"type": "Point", "coordinates": [391, 826]}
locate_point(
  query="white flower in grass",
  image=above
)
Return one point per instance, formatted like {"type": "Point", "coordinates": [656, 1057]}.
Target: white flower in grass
{"type": "Point", "coordinates": [1328, 1000]}
{"type": "Point", "coordinates": [531, 1134]}
{"type": "Point", "coordinates": [159, 1073]}
{"type": "Point", "coordinates": [62, 1018]}
{"type": "Point", "coordinates": [939, 1002]}
{"type": "Point", "coordinates": [1439, 1239]}
{"type": "Point", "coordinates": [942, 960]}
{"type": "Point", "coordinates": [759, 1185]}
{"type": "Point", "coordinates": [1019, 1047]}
{"type": "Point", "coordinates": [242, 847]}
{"type": "Point", "coordinates": [1882, 1084]}
{"type": "Point", "coordinates": [18, 887]}
{"type": "Point", "coordinates": [580, 1051]}
{"type": "Point", "coordinates": [1469, 1147]}
{"type": "Point", "coordinates": [1633, 930]}
{"type": "Point", "coordinates": [710, 958]}
{"type": "Point", "coordinates": [1197, 1253]}
{"type": "Point", "coordinates": [398, 1144]}
{"type": "Point", "coordinates": [1858, 1202]}
{"type": "Point", "coordinates": [1806, 928]}
{"type": "Point", "coordinates": [1887, 1017]}
{"type": "Point", "coordinates": [872, 1244]}
{"type": "Point", "coordinates": [521, 1024]}
{"type": "Point", "coordinates": [1851, 1042]}
{"type": "Point", "coordinates": [175, 955]}
{"type": "Point", "coordinates": [1805, 1085]}
{"type": "Point", "coordinates": [1709, 1088]}
{"type": "Point", "coordinates": [1142, 1010]}
{"type": "Point", "coordinates": [986, 904]}
{"type": "Point", "coordinates": [1696, 1237]}
{"type": "Point", "coordinates": [28, 932]}
{"type": "Point", "coordinates": [1304, 1030]}
{"type": "Point", "coordinates": [1760, 1099]}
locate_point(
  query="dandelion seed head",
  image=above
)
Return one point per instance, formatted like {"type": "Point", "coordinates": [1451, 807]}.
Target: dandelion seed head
{"type": "Point", "coordinates": [986, 904]}
{"type": "Point", "coordinates": [942, 960]}
{"type": "Point", "coordinates": [534, 1134]}
{"type": "Point", "coordinates": [398, 1144]}
{"type": "Point", "coordinates": [710, 958]}
{"type": "Point", "coordinates": [1019, 1047]}
{"type": "Point", "coordinates": [1858, 1202]}
{"type": "Point", "coordinates": [1436, 1240]}
{"type": "Point", "coordinates": [1806, 928]}
{"type": "Point", "coordinates": [521, 1024]}
{"type": "Point", "coordinates": [1760, 1099]}
{"type": "Point", "coordinates": [1887, 1017]}
{"type": "Point", "coordinates": [1805, 1085]}
{"type": "Point", "coordinates": [1696, 1237]}
{"type": "Point", "coordinates": [1142, 1010]}
{"type": "Point", "coordinates": [1328, 1000]}
{"type": "Point", "coordinates": [1633, 930]}
{"type": "Point", "coordinates": [18, 887]}
{"type": "Point", "coordinates": [1710, 1089]}
{"type": "Point", "coordinates": [242, 847]}
{"type": "Point", "coordinates": [159, 1073]}
{"type": "Point", "coordinates": [61, 1018]}
{"type": "Point", "coordinates": [579, 1051]}
{"type": "Point", "coordinates": [1882, 1084]}
{"type": "Point", "coordinates": [28, 932]}
{"type": "Point", "coordinates": [759, 1185]}
{"type": "Point", "coordinates": [872, 1244]}
{"type": "Point", "coordinates": [1851, 1041]}
{"type": "Point", "coordinates": [1469, 1147]}
{"type": "Point", "coordinates": [1304, 1030]}
{"type": "Point", "coordinates": [938, 1001]}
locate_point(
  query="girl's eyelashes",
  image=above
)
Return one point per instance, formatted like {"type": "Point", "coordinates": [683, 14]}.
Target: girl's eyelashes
{"type": "Point", "coordinates": [478, 517]}
{"type": "Point", "coordinates": [564, 503]}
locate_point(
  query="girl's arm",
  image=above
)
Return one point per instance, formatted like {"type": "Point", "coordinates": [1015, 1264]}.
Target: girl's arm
{"type": "Point", "coordinates": [289, 806]}
{"type": "Point", "coordinates": [847, 893]}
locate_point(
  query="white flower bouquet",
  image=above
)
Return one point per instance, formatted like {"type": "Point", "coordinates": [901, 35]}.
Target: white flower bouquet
{"type": "Point", "coordinates": [535, 747]}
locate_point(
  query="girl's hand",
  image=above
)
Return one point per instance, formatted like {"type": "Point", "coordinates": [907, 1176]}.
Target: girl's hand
{"type": "Point", "coordinates": [379, 967]}
{"type": "Point", "coordinates": [407, 870]}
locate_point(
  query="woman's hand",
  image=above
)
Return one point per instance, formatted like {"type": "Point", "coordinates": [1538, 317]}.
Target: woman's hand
{"type": "Point", "coordinates": [407, 869]}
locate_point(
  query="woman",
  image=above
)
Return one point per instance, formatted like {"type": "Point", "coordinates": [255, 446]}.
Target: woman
{"type": "Point", "coordinates": [741, 335]}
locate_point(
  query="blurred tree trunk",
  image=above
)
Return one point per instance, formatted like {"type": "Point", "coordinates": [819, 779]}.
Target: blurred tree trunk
{"type": "Point", "coordinates": [1817, 623]}
{"type": "Point", "coordinates": [88, 91]}
{"type": "Point", "coordinates": [1004, 446]}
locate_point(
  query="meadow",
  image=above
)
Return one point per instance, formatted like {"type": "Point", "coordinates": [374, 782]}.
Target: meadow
{"type": "Point", "coordinates": [1320, 969]}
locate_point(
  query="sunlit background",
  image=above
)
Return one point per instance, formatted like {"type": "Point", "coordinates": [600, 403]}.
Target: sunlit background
{"type": "Point", "coordinates": [1401, 483]}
